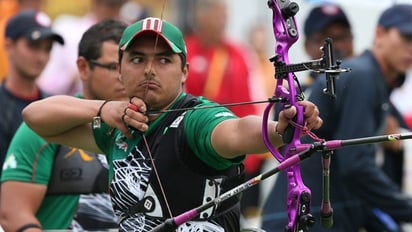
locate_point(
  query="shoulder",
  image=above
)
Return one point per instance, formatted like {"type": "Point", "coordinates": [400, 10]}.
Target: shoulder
{"type": "Point", "coordinates": [208, 114]}
{"type": "Point", "coordinates": [28, 141]}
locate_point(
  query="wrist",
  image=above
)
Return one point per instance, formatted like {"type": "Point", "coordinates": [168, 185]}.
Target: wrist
{"type": "Point", "coordinates": [97, 120]}
{"type": "Point", "coordinates": [29, 227]}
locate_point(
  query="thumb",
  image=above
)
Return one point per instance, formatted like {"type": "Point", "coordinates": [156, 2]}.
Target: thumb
{"type": "Point", "coordinates": [284, 117]}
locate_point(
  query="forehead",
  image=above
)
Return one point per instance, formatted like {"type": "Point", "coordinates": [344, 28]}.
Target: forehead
{"type": "Point", "coordinates": [34, 43]}
{"type": "Point", "coordinates": [109, 48]}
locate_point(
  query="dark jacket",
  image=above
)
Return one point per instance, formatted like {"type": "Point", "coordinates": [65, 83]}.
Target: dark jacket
{"type": "Point", "coordinates": [357, 183]}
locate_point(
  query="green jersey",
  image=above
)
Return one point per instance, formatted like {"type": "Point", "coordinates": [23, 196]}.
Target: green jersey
{"type": "Point", "coordinates": [176, 140]}
{"type": "Point", "coordinates": [33, 163]}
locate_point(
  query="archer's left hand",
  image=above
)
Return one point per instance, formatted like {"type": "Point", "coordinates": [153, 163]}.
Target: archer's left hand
{"type": "Point", "coordinates": [311, 114]}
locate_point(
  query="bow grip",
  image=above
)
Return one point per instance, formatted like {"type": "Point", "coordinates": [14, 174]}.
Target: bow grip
{"type": "Point", "coordinates": [291, 133]}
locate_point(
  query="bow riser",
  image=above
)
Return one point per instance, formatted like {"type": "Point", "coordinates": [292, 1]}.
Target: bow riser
{"type": "Point", "coordinates": [286, 34]}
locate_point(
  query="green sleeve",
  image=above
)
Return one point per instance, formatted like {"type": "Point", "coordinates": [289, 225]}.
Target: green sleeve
{"type": "Point", "coordinates": [29, 158]}
{"type": "Point", "coordinates": [199, 125]}
{"type": "Point", "coordinates": [104, 138]}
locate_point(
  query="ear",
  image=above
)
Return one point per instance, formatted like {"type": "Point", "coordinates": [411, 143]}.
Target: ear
{"type": "Point", "coordinates": [8, 44]}
{"type": "Point", "coordinates": [83, 68]}
{"type": "Point", "coordinates": [119, 75]}
{"type": "Point", "coordinates": [380, 33]}
{"type": "Point", "coordinates": [185, 73]}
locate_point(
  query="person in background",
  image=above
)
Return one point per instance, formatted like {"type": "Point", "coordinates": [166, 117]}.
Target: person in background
{"type": "Point", "coordinates": [28, 40]}
{"type": "Point", "coordinates": [219, 66]}
{"type": "Point", "coordinates": [327, 20]}
{"type": "Point", "coordinates": [152, 141]}
{"type": "Point", "coordinates": [360, 190]}
{"type": "Point", "coordinates": [42, 181]}
{"type": "Point", "coordinates": [221, 69]}
{"type": "Point", "coordinates": [64, 58]}
{"type": "Point", "coordinates": [9, 8]}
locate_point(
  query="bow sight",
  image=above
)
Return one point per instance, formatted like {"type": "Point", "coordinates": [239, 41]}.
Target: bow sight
{"type": "Point", "coordinates": [326, 64]}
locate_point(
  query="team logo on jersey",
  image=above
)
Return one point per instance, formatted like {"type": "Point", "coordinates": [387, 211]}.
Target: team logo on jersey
{"type": "Point", "coordinates": [121, 142]}
{"type": "Point", "coordinates": [10, 162]}
{"type": "Point", "coordinates": [223, 114]}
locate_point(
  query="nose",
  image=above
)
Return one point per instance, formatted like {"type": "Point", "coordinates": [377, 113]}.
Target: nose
{"type": "Point", "coordinates": [149, 69]}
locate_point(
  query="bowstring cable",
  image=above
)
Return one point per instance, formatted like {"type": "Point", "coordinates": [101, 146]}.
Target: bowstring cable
{"type": "Point", "coordinates": [143, 135]}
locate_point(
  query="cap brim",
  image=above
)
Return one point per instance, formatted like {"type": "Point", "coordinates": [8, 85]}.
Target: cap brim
{"type": "Point", "coordinates": [405, 29]}
{"type": "Point", "coordinates": [320, 25]}
{"type": "Point", "coordinates": [44, 33]}
{"type": "Point", "coordinates": [172, 46]}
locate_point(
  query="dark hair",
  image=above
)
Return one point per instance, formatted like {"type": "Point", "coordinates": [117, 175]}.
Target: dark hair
{"type": "Point", "coordinates": [90, 46]}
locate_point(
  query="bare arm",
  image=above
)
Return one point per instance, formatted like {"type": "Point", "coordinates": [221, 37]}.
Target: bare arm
{"type": "Point", "coordinates": [67, 120]}
{"type": "Point", "coordinates": [19, 203]}
{"type": "Point", "coordinates": [243, 136]}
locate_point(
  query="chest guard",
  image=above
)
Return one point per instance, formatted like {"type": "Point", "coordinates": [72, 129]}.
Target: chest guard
{"type": "Point", "coordinates": [76, 171]}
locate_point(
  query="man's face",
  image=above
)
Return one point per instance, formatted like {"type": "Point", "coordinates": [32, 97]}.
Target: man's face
{"type": "Point", "coordinates": [29, 58]}
{"type": "Point", "coordinates": [103, 80]}
{"type": "Point", "coordinates": [151, 71]}
{"type": "Point", "coordinates": [395, 49]}
{"type": "Point", "coordinates": [342, 41]}
{"type": "Point", "coordinates": [211, 31]}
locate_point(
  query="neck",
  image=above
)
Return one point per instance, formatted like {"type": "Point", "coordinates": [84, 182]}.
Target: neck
{"type": "Point", "coordinates": [21, 86]}
{"type": "Point", "coordinates": [390, 74]}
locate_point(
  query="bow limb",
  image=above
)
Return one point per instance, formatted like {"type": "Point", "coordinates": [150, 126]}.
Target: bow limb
{"type": "Point", "coordinates": [286, 34]}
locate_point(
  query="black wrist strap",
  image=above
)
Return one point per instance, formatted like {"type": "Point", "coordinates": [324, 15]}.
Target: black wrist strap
{"type": "Point", "coordinates": [98, 120]}
{"type": "Point", "coordinates": [28, 226]}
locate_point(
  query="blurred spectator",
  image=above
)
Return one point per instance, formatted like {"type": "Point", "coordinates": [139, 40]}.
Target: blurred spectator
{"type": "Point", "coordinates": [327, 20]}
{"type": "Point", "coordinates": [9, 8]}
{"type": "Point", "coordinates": [42, 181]}
{"type": "Point", "coordinates": [264, 70]}
{"type": "Point", "coordinates": [361, 193]}
{"type": "Point", "coordinates": [219, 67]}
{"type": "Point", "coordinates": [221, 70]}
{"type": "Point", "coordinates": [28, 41]}
{"type": "Point", "coordinates": [60, 75]}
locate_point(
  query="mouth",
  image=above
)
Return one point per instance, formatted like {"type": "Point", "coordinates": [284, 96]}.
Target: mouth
{"type": "Point", "coordinates": [122, 90]}
{"type": "Point", "coordinates": [149, 84]}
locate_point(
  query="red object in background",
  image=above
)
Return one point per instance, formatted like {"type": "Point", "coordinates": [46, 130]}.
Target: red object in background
{"type": "Point", "coordinates": [408, 120]}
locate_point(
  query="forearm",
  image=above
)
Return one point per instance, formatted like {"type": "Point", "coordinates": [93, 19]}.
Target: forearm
{"type": "Point", "coordinates": [19, 202]}
{"type": "Point", "coordinates": [245, 137]}
{"type": "Point", "coordinates": [19, 221]}
{"type": "Point", "coordinates": [58, 114]}
{"type": "Point", "coordinates": [254, 141]}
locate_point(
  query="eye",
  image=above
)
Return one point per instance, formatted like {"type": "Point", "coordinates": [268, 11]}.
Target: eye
{"type": "Point", "coordinates": [136, 60]}
{"type": "Point", "coordinates": [164, 60]}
